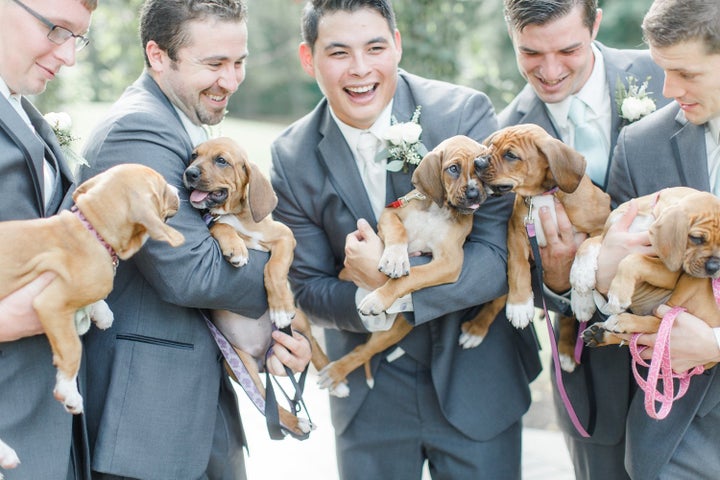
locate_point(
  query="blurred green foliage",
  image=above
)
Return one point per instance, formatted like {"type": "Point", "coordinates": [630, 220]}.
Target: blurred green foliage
{"type": "Point", "coordinates": [462, 41]}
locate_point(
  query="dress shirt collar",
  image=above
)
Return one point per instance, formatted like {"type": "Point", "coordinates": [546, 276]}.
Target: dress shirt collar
{"type": "Point", "coordinates": [352, 134]}
{"type": "Point", "coordinates": [197, 133]}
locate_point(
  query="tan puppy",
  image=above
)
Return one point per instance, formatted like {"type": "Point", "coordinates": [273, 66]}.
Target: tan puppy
{"type": "Point", "coordinates": [539, 169]}
{"type": "Point", "coordinates": [435, 218]}
{"type": "Point", "coordinates": [117, 211]}
{"type": "Point", "coordinates": [223, 181]}
{"type": "Point", "coordinates": [683, 227]}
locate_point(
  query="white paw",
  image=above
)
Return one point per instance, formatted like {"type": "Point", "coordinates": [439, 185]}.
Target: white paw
{"type": "Point", "coordinates": [520, 314]}
{"type": "Point", "coordinates": [582, 304]}
{"type": "Point", "coordinates": [101, 314]}
{"type": "Point", "coordinates": [567, 363]}
{"type": "Point", "coordinates": [612, 324]}
{"type": "Point", "coordinates": [614, 305]}
{"type": "Point", "coordinates": [470, 341]}
{"type": "Point", "coordinates": [66, 392]}
{"type": "Point", "coordinates": [371, 304]}
{"type": "Point", "coordinates": [8, 457]}
{"type": "Point", "coordinates": [305, 425]}
{"type": "Point", "coordinates": [582, 272]}
{"type": "Point", "coordinates": [238, 260]}
{"type": "Point", "coordinates": [395, 262]}
{"type": "Point", "coordinates": [281, 318]}
{"type": "Point", "coordinates": [341, 390]}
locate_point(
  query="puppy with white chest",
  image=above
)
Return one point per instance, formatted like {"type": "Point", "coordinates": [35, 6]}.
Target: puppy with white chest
{"type": "Point", "coordinates": [240, 200]}
{"type": "Point", "coordinates": [435, 218]}
{"type": "Point", "coordinates": [115, 212]}
{"type": "Point", "coordinates": [684, 228]}
{"type": "Point", "coordinates": [539, 169]}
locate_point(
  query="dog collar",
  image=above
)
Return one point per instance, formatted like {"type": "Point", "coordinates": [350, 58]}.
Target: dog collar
{"type": "Point", "coordinates": [405, 199]}
{"type": "Point", "coordinates": [88, 225]}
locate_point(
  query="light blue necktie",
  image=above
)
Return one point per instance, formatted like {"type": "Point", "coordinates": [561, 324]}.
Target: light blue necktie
{"type": "Point", "coordinates": [372, 171]}
{"type": "Point", "coordinates": [589, 142]}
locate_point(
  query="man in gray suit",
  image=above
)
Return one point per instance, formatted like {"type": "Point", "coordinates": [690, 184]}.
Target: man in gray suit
{"type": "Point", "coordinates": [677, 145]}
{"type": "Point", "coordinates": [159, 403]}
{"type": "Point", "coordinates": [35, 180]}
{"type": "Point", "coordinates": [556, 52]}
{"type": "Point", "coordinates": [459, 410]}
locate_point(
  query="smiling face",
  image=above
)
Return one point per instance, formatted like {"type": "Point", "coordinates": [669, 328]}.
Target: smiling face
{"type": "Point", "coordinates": [28, 60]}
{"type": "Point", "coordinates": [207, 71]}
{"type": "Point", "coordinates": [355, 63]}
{"type": "Point", "coordinates": [556, 58]}
{"type": "Point", "coordinates": [691, 78]}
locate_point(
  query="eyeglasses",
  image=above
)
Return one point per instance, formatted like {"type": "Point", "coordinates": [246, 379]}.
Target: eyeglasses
{"type": "Point", "coordinates": [57, 34]}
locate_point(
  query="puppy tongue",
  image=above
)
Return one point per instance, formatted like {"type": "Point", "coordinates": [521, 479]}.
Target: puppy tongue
{"type": "Point", "coordinates": [198, 196]}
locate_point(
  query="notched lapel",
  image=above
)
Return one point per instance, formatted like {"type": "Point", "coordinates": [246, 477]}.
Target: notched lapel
{"type": "Point", "coordinates": [688, 145]}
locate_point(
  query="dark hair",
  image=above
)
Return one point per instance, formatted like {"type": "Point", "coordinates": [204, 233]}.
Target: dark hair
{"type": "Point", "coordinates": [316, 9]}
{"type": "Point", "coordinates": [91, 5]}
{"type": "Point", "coordinates": [670, 22]}
{"type": "Point", "coordinates": [165, 21]}
{"type": "Point", "coordinates": [521, 13]}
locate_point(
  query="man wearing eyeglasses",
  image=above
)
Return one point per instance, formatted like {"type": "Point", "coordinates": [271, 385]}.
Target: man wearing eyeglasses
{"type": "Point", "coordinates": [37, 39]}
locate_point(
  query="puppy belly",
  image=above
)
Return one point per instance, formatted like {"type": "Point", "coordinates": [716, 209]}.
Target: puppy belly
{"type": "Point", "coordinates": [248, 334]}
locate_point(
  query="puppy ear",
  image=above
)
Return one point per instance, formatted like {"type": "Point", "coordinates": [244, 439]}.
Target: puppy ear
{"type": "Point", "coordinates": [566, 165]}
{"type": "Point", "coordinates": [261, 196]}
{"type": "Point", "coordinates": [428, 176]}
{"type": "Point", "coordinates": [668, 234]}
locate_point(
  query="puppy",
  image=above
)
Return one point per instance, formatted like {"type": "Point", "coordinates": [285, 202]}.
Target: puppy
{"type": "Point", "coordinates": [240, 198]}
{"type": "Point", "coordinates": [434, 218]}
{"type": "Point", "coordinates": [539, 169]}
{"type": "Point", "coordinates": [115, 213]}
{"type": "Point", "coordinates": [683, 227]}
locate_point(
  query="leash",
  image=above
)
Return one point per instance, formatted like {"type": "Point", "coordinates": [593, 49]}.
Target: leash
{"type": "Point", "coordinates": [660, 369]}
{"type": "Point", "coordinates": [267, 406]}
{"type": "Point", "coordinates": [405, 199]}
{"type": "Point", "coordinates": [531, 233]}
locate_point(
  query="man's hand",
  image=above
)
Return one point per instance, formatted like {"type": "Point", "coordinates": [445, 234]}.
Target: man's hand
{"type": "Point", "coordinates": [562, 244]}
{"type": "Point", "coordinates": [293, 351]}
{"type": "Point", "coordinates": [18, 318]}
{"type": "Point", "coordinates": [363, 249]}
{"type": "Point", "coordinates": [617, 244]}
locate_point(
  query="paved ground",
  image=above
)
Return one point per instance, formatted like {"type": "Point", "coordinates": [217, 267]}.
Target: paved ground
{"type": "Point", "coordinates": [544, 454]}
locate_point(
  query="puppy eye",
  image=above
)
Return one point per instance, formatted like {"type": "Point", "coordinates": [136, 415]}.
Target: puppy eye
{"type": "Point", "coordinates": [511, 156]}
{"type": "Point", "coordinates": [696, 239]}
{"type": "Point", "coordinates": [193, 156]}
{"type": "Point", "coordinates": [453, 170]}
{"type": "Point", "coordinates": [221, 161]}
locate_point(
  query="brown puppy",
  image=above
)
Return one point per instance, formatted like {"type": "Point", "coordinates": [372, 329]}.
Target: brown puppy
{"type": "Point", "coordinates": [539, 169]}
{"type": "Point", "coordinates": [223, 181]}
{"type": "Point", "coordinates": [683, 227]}
{"type": "Point", "coordinates": [434, 218]}
{"type": "Point", "coordinates": [117, 211]}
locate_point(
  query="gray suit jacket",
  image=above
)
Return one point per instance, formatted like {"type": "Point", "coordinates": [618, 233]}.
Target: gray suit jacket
{"type": "Point", "coordinates": [605, 369]}
{"type": "Point", "coordinates": [482, 390]}
{"type": "Point", "coordinates": [646, 161]}
{"type": "Point", "coordinates": [154, 376]}
{"type": "Point", "coordinates": [32, 421]}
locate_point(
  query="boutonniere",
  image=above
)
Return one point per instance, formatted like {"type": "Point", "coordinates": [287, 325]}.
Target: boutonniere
{"type": "Point", "coordinates": [633, 102]}
{"type": "Point", "coordinates": [404, 147]}
{"type": "Point", "coordinates": [61, 125]}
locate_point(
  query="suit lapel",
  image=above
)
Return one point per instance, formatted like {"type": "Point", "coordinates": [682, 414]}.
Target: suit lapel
{"type": "Point", "coordinates": [692, 162]}
{"type": "Point", "coordinates": [532, 110]}
{"type": "Point", "coordinates": [399, 183]}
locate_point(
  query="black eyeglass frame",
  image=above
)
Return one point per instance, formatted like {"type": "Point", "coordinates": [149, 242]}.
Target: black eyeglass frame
{"type": "Point", "coordinates": [57, 34]}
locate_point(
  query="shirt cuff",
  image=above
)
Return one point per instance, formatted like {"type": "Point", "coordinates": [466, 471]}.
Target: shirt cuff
{"type": "Point", "coordinates": [384, 320]}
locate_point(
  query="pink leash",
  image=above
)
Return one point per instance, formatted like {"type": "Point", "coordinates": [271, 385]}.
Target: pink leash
{"type": "Point", "coordinates": [659, 369]}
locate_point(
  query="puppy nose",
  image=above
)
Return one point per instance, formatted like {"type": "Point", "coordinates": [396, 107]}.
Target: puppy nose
{"type": "Point", "coordinates": [192, 174]}
{"type": "Point", "coordinates": [481, 163]}
{"type": "Point", "coordinates": [472, 192]}
{"type": "Point", "coordinates": [712, 265]}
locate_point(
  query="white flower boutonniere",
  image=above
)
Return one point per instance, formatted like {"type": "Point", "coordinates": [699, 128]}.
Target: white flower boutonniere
{"type": "Point", "coordinates": [61, 124]}
{"type": "Point", "coordinates": [633, 102]}
{"type": "Point", "coordinates": [404, 147]}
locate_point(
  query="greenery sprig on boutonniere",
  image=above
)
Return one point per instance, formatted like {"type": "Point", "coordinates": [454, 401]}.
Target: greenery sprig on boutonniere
{"type": "Point", "coordinates": [404, 147]}
{"type": "Point", "coordinates": [61, 124]}
{"type": "Point", "coordinates": [633, 102]}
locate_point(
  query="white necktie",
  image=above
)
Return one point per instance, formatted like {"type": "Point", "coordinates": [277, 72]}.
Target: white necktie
{"type": "Point", "coordinates": [589, 141]}
{"type": "Point", "coordinates": [372, 171]}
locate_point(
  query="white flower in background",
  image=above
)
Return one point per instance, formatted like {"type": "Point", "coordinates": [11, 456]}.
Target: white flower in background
{"type": "Point", "coordinates": [633, 101]}
{"type": "Point", "coordinates": [61, 124]}
{"type": "Point", "coordinates": [404, 147]}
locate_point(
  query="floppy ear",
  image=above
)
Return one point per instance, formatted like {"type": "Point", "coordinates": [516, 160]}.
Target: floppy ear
{"type": "Point", "coordinates": [566, 165]}
{"type": "Point", "coordinates": [428, 176]}
{"type": "Point", "coordinates": [261, 196]}
{"type": "Point", "coordinates": [668, 234]}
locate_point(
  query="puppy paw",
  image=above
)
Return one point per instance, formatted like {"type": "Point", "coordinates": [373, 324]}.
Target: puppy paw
{"type": "Point", "coordinates": [594, 335]}
{"type": "Point", "coordinates": [616, 304]}
{"type": "Point", "coordinates": [8, 457]}
{"type": "Point", "coordinates": [372, 304]}
{"type": "Point", "coordinates": [305, 425]}
{"type": "Point", "coordinates": [101, 314]}
{"type": "Point", "coordinates": [520, 314]}
{"type": "Point", "coordinates": [567, 363]}
{"type": "Point", "coordinates": [281, 318]}
{"type": "Point", "coordinates": [238, 259]}
{"type": "Point", "coordinates": [469, 340]}
{"type": "Point", "coordinates": [66, 392]}
{"type": "Point", "coordinates": [395, 262]}
{"type": "Point", "coordinates": [582, 272]}
{"type": "Point", "coordinates": [333, 380]}
{"type": "Point", "coordinates": [341, 390]}
{"type": "Point", "coordinates": [582, 304]}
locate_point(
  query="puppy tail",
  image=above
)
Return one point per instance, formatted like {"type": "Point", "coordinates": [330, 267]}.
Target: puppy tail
{"type": "Point", "coordinates": [369, 376]}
